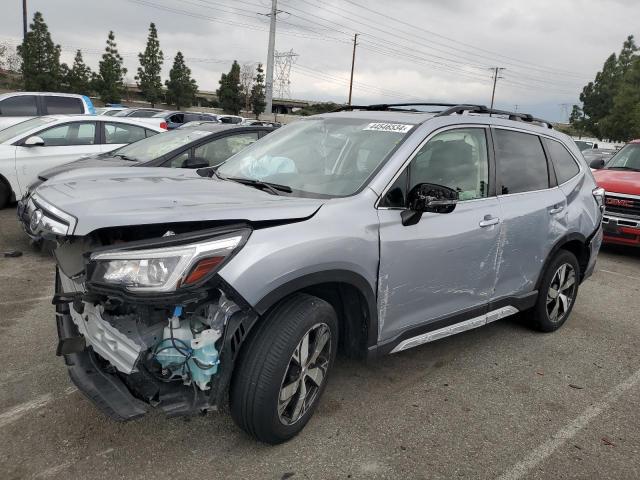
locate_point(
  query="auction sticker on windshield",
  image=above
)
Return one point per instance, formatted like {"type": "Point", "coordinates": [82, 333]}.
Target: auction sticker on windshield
{"type": "Point", "coordinates": [389, 127]}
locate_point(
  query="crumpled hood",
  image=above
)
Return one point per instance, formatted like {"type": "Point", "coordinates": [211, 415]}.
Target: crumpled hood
{"type": "Point", "coordinates": [86, 162]}
{"type": "Point", "coordinates": [618, 181]}
{"type": "Point", "coordinates": [99, 197]}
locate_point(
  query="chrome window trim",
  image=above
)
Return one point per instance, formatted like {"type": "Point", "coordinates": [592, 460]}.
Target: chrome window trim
{"type": "Point", "coordinates": [458, 126]}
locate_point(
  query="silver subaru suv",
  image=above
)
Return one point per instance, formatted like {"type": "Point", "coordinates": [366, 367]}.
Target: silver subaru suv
{"type": "Point", "coordinates": [369, 230]}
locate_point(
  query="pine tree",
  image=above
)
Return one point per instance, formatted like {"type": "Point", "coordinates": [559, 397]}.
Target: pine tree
{"type": "Point", "coordinates": [110, 81]}
{"type": "Point", "coordinates": [78, 78]}
{"type": "Point", "coordinates": [151, 60]}
{"type": "Point", "coordinates": [229, 93]}
{"type": "Point", "coordinates": [40, 58]}
{"type": "Point", "coordinates": [258, 102]}
{"type": "Point", "coordinates": [181, 88]}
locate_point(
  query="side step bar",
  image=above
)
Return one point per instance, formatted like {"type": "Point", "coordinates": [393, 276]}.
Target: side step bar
{"type": "Point", "coordinates": [475, 322]}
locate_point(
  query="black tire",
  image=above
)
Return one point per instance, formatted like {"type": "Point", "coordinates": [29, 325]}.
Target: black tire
{"type": "Point", "coordinates": [267, 362]}
{"type": "Point", "coordinates": [541, 316]}
{"type": "Point", "coordinates": [5, 194]}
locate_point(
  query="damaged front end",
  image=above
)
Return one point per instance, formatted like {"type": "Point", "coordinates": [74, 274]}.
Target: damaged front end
{"type": "Point", "coordinates": [147, 321]}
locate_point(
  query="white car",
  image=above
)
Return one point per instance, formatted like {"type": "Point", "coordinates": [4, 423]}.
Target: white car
{"type": "Point", "coordinates": [17, 107]}
{"type": "Point", "coordinates": [41, 143]}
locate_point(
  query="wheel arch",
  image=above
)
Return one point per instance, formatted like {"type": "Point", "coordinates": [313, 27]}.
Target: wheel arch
{"type": "Point", "coordinates": [4, 181]}
{"type": "Point", "coordinates": [575, 243]}
{"type": "Point", "coordinates": [351, 296]}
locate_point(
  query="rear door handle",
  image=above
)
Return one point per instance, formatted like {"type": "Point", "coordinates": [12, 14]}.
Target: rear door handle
{"type": "Point", "coordinates": [488, 221]}
{"type": "Point", "coordinates": [556, 209]}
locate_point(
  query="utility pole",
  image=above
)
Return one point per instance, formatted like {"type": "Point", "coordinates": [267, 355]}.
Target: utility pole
{"type": "Point", "coordinates": [24, 20]}
{"type": "Point", "coordinates": [353, 62]}
{"type": "Point", "coordinates": [272, 44]}
{"type": "Point", "coordinates": [496, 73]}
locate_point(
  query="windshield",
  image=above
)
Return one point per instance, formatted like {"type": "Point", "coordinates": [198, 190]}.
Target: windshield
{"type": "Point", "coordinates": [318, 157]}
{"type": "Point", "coordinates": [627, 159]}
{"type": "Point", "coordinates": [23, 127]}
{"type": "Point", "coordinates": [159, 145]}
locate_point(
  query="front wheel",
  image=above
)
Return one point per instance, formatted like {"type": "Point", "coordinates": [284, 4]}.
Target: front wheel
{"type": "Point", "coordinates": [558, 291]}
{"type": "Point", "coordinates": [283, 369]}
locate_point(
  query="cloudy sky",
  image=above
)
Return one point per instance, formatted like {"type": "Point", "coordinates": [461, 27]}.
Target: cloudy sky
{"type": "Point", "coordinates": [429, 50]}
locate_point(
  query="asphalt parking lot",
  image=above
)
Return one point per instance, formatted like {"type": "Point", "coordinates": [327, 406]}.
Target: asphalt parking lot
{"type": "Point", "coordinates": [498, 402]}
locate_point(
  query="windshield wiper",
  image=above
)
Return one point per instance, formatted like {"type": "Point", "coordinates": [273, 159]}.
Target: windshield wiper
{"type": "Point", "coordinates": [272, 187]}
{"type": "Point", "coordinates": [124, 157]}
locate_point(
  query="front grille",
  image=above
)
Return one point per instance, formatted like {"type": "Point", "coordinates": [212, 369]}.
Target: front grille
{"type": "Point", "coordinates": [625, 206]}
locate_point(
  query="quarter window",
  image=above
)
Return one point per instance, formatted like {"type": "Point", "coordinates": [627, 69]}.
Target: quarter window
{"type": "Point", "coordinates": [57, 105]}
{"type": "Point", "coordinates": [456, 159]}
{"type": "Point", "coordinates": [19, 106]}
{"type": "Point", "coordinates": [70, 134]}
{"type": "Point", "coordinates": [522, 165]}
{"type": "Point", "coordinates": [565, 166]}
{"type": "Point", "coordinates": [117, 133]}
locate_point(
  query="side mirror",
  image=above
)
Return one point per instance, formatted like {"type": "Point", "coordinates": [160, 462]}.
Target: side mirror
{"type": "Point", "coordinates": [195, 162]}
{"type": "Point", "coordinates": [597, 163]}
{"type": "Point", "coordinates": [428, 197]}
{"type": "Point", "coordinates": [34, 141]}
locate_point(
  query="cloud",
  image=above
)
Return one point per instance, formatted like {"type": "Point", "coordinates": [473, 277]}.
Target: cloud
{"type": "Point", "coordinates": [550, 49]}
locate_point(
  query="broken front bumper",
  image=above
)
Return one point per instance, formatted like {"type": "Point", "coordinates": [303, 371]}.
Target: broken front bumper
{"type": "Point", "coordinates": [106, 365]}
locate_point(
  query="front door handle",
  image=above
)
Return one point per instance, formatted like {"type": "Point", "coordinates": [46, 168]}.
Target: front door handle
{"type": "Point", "coordinates": [488, 221]}
{"type": "Point", "coordinates": [556, 209]}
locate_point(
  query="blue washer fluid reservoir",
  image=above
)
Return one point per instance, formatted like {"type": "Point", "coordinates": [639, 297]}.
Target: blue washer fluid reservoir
{"type": "Point", "coordinates": [204, 361]}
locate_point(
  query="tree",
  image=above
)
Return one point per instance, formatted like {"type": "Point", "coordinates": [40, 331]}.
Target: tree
{"type": "Point", "coordinates": [40, 58]}
{"type": "Point", "coordinates": [607, 111]}
{"type": "Point", "coordinates": [229, 95]}
{"type": "Point", "coordinates": [78, 78]}
{"type": "Point", "coordinates": [258, 102]}
{"type": "Point", "coordinates": [151, 60]}
{"type": "Point", "coordinates": [623, 123]}
{"type": "Point", "coordinates": [110, 80]}
{"type": "Point", "coordinates": [181, 88]}
{"type": "Point", "coordinates": [246, 84]}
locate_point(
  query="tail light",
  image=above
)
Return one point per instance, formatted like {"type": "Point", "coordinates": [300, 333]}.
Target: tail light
{"type": "Point", "coordinates": [598, 194]}
{"type": "Point", "coordinates": [164, 125]}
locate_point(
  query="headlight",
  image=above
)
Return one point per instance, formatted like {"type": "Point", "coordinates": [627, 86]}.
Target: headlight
{"type": "Point", "coordinates": [167, 268]}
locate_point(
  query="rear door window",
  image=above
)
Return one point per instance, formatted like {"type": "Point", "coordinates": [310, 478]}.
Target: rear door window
{"type": "Point", "coordinates": [116, 133]}
{"type": "Point", "coordinates": [57, 105]}
{"type": "Point", "coordinates": [563, 162]}
{"type": "Point", "coordinates": [521, 162]}
{"type": "Point", "coordinates": [19, 106]}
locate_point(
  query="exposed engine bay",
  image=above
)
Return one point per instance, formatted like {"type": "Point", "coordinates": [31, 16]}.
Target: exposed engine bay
{"type": "Point", "coordinates": [175, 348]}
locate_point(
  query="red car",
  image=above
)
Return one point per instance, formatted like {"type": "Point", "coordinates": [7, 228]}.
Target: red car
{"type": "Point", "coordinates": [620, 177]}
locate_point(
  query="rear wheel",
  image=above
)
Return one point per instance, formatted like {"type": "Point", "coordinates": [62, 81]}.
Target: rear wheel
{"type": "Point", "coordinates": [558, 291]}
{"type": "Point", "coordinates": [283, 370]}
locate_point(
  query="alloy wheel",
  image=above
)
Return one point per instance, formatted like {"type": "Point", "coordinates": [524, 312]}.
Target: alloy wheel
{"type": "Point", "coordinates": [305, 373]}
{"type": "Point", "coordinates": [561, 292]}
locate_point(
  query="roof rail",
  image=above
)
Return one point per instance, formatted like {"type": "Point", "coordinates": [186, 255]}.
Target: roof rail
{"type": "Point", "coordinates": [451, 108]}
{"type": "Point", "coordinates": [394, 107]}
{"type": "Point", "coordinates": [481, 109]}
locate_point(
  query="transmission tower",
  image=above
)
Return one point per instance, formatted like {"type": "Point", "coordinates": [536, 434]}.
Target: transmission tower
{"type": "Point", "coordinates": [282, 83]}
